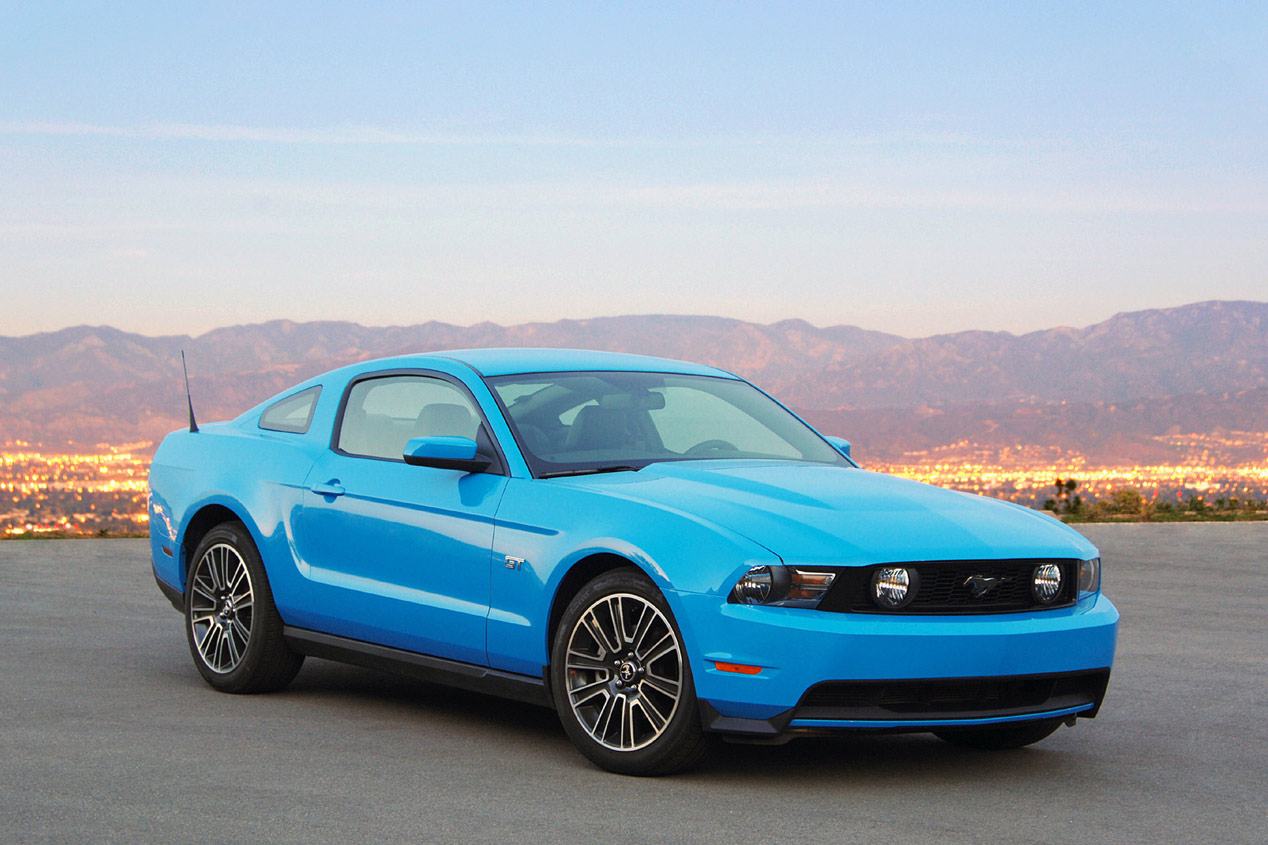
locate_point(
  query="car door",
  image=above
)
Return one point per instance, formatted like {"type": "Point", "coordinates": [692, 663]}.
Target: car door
{"type": "Point", "coordinates": [398, 554]}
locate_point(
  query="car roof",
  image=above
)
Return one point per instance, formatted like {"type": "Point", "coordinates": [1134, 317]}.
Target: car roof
{"type": "Point", "coordinates": [501, 362]}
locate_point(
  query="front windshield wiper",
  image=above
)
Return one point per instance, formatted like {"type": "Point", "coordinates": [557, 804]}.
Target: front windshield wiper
{"type": "Point", "coordinates": [590, 470]}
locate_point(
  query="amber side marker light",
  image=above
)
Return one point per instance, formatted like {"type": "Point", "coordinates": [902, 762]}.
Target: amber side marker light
{"type": "Point", "coordinates": [738, 668]}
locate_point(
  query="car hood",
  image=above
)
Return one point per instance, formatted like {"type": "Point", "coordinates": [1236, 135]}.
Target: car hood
{"type": "Point", "coordinates": [807, 513]}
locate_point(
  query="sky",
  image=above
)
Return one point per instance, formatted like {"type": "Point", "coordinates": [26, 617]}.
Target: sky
{"type": "Point", "coordinates": [914, 168]}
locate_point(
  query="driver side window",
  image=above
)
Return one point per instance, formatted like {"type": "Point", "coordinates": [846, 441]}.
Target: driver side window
{"type": "Point", "coordinates": [385, 413]}
{"type": "Point", "coordinates": [691, 416]}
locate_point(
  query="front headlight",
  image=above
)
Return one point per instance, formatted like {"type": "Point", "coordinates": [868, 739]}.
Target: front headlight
{"type": "Point", "coordinates": [782, 586]}
{"type": "Point", "coordinates": [1089, 577]}
{"type": "Point", "coordinates": [894, 587]}
{"type": "Point", "coordinates": [1045, 583]}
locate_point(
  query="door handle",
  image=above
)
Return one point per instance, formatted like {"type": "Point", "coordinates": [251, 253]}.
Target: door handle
{"type": "Point", "coordinates": [330, 488]}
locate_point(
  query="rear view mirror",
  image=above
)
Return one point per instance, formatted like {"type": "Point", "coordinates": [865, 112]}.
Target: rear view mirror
{"type": "Point", "coordinates": [841, 444]}
{"type": "Point", "coordinates": [445, 453]}
{"type": "Point", "coordinates": [636, 401]}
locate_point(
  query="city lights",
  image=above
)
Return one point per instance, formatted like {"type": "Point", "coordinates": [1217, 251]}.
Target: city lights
{"type": "Point", "coordinates": [1033, 485]}
{"type": "Point", "coordinates": [79, 494]}
{"type": "Point", "coordinates": [73, 494]}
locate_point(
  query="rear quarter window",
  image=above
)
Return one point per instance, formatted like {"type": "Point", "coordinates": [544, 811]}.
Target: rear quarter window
{"type": "Point", "coordinates": [294, 414]}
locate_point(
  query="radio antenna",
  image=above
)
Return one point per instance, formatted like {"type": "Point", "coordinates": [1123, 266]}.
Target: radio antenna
{"type": "Point", "coordinates": [193, 426]}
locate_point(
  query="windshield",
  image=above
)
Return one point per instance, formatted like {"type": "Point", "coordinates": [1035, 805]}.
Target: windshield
{"type": "Point", "coordinates": [595, 420]}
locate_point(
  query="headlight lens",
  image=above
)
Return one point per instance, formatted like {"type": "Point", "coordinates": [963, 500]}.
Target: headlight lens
{"type": "Point", "coordinates": [1089, 576]}
{"type": "Point", "coordinates": [755, 586]}
{"type": "Point", "coordinates": [782, 586]}
{"type": "Point", "coordinates": [1045, 585]}
{"type": "Point", "coordinates": [893, 587]}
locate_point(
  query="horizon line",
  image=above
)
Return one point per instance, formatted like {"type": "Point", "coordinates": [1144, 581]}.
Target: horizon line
{"type": "Point", "coordinates": [294, 322]}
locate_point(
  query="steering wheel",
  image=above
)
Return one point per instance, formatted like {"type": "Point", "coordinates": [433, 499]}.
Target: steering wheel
{"type": "Point", "coordinates": [707, 446]}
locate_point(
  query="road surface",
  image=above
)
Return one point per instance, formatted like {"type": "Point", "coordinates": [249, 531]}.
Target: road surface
{"type": "Point", "coordinates": [107, 733]}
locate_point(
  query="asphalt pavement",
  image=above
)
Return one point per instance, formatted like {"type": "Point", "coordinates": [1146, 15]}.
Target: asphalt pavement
{"type": "Point", "coordinates": [107, 733]}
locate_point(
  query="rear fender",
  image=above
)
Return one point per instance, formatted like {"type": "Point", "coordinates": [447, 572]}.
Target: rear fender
{"type": "Point", "coordinates": [184, 549]}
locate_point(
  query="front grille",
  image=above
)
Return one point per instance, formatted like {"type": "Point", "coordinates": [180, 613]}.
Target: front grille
{"type": "Point", "coordinates": [944, 587]}
{"type": "Point", "coordinates": [950, 698]}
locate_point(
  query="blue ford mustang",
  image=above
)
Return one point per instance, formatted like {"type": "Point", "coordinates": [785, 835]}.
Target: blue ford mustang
{"type": "Point", "coordinates": [658, 550]}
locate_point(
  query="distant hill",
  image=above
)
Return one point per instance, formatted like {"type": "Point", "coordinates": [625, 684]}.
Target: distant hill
{"type": "Point", "coordinates": [1125, 382]}
{"type": "Point", "coordinates": [105, 355]}
{"type": "Point", "coordinates": [88, 384]}
{"type": "Point", "coordinates": [1166, 430]}
{"type": "Point", "coordinates": [1208, 347]}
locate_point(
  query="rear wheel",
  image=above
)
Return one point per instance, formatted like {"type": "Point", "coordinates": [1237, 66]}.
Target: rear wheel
{"type": "Point", "coordinates": [1001, 737]}
{"type": "Point", "coordinates": [233, 628]}
{"type": "Point", "coordinates": [621, 680]}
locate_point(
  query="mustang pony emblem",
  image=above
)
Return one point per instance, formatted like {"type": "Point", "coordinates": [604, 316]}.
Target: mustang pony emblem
{"type": "Point", "coordinates": [980, 585]}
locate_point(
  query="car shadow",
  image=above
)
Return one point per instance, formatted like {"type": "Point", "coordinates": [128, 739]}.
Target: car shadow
{"type": "Point", "coordinates": [846, 759]}
{"type": "Point", "coordinates": [878, 758]}
{"type": "Point", "coordinates": [325, 679]}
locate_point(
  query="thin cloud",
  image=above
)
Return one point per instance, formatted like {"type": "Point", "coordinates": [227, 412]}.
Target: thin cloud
{"type": "Point", "coordinates": [298, 206]}
{"type": "Point", "coordinates": [271, 135]}
{"type": "Point", "coordinates": [374, 135]}
{"type": "Point", "coordinates": [777, 196]}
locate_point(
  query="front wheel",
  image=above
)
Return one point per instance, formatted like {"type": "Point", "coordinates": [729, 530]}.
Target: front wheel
{"type": "Point", "coordinates": [1001, 737]}
{"type": "Point", "coordinates": [621, 680]}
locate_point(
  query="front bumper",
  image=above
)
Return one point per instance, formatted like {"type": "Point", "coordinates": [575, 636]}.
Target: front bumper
{"type": "Point", "coordinates": [824, 671]}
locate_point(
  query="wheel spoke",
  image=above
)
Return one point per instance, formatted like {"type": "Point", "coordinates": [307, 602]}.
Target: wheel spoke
{"type": "Point", "coordinates": [600, 636]}
{"type": "Point", "coordinates": [225, 565]}
{"type": "Point", "coordinates": [664, 686]}
{"type": "Point", "coordinates": [653, 714]}
{"type": "Point", "coordinates": [666, 649]}
{"type": "Point", "coordinates": [645, 620]}
{"type": "Point", "coordinates": [204, 644]}
{"type": "Point", "coordinates": [627, 723]}
{"type": "Point", "coordinates": [581, 700]}
{"type": "Point", "coordinates": [577, 660]}
{"type": "Point", "coordinates": [216, 649]}
{"type": "Point", "coordinates": [231, 645]}
{"type": "Point", "coordinates": [213, 570]}
{"type": "Point", "coordinates": [203, 587]}
{"type": "Point", "coordinates": [576, 692]}
{"type": "Point", "coordinates": [221, 648]}
{"type": "Point", "coordinates": [211, 645]}
{"type": "Point", "coordinates": [604, 719]}
{"type": "Point", "coordinates": [617, 609]}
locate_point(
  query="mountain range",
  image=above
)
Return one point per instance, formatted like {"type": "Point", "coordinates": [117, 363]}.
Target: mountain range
{"type": "Point", "coordinates": [1128, 388]}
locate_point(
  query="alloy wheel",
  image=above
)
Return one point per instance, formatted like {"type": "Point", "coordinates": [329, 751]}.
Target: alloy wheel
{"type": "Point", "coordinates": [624, 669]}
{"type": "Point", "coordinates": [221, 608]}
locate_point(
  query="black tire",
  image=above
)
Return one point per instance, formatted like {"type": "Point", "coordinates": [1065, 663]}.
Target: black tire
{"type": "Point", "coordinates": [1001, 737]}
{"type": "Point", "coordinates": [233, 628]}
{"type": "Point", "coordinates": [651, 659]}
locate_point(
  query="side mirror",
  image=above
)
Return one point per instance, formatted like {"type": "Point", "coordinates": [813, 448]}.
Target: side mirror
{"type": "Point", "coordinates": [842, 445]}
{"type": "Point", "coordinates": [445, 453]}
